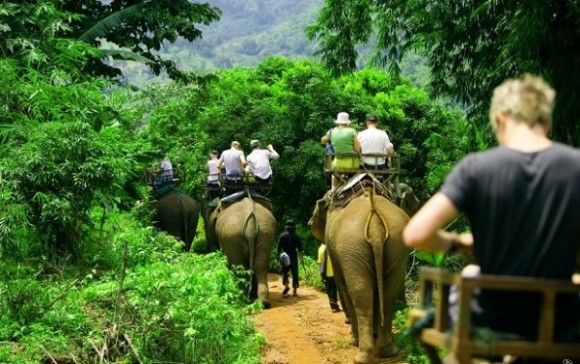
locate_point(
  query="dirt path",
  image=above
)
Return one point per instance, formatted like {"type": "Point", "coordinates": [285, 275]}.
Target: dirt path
{"type": "Point", "coordinates": [302, 330]}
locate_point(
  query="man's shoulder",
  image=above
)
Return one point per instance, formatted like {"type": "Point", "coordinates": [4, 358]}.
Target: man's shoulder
{"type": "Point", "coordinates": [373, 133]}
{"type": "Point", "coordinates": [257, 153]}
{"type": "Point", "coordinates": [566, 150]}
{"type": "Point", "coordinates": [344, 131]}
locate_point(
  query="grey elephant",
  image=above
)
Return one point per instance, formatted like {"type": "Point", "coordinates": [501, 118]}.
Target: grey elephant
{"type": "Point", "coordinates": [408, 201]}
{"type": "Point", "coordinates": [245, 229]}
{"type": "Point", "coordinates": [177, 214]}
{"type": "Point", "coordinates": [363, 233]}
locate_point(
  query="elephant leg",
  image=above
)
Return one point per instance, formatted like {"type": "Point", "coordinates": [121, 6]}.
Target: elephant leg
{"type": "Point", "coordinates": [359, 282]}
{"type": "Point", "coordinates": [191, 230]}
{"type": "Point", "coordinates": [346, 302]}
{"type": "Point", "coordinates": [237, 256]}
{"type": "Point", "coordinates": [394, 284]}
{"type": "Point", "coordinates": [261, 265]}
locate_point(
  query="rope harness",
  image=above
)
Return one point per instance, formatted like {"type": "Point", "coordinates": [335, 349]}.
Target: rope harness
{"type": "Point", "coordinates": [372, 212]}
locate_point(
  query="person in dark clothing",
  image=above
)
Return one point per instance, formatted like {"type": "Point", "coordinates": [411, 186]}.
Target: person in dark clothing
{"type": "Point", "coordinates": [291, 244]}
{"type": "Point", "coordinates": [521, 199]}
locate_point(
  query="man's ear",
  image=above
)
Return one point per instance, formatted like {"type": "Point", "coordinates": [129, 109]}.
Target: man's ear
{"type": "Point", "coordinates": [500, 119]}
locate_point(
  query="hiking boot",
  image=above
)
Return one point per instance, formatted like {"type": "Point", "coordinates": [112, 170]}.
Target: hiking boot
{"type": "Point", "coordinates": [285, 291]}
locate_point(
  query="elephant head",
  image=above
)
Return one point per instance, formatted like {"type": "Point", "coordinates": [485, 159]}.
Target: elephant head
{"type": "Point", "coordinates": [318, 220]}
{"type": "Point", "coordinates": [364, 241]}
{"type": "Point", "coordinates": [408, 202]}
{"type": "Point", "coordinates": [209, 215]}
{"type": "Point", "coordinates": [246, 230]}
{"type": "Point", "coordinates": [177, 214]}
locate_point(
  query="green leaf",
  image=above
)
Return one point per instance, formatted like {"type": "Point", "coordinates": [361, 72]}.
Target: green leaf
{"type": "Point", "coordinates": [106, 25]}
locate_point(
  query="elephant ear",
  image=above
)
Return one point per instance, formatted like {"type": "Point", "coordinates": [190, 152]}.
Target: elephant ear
{"type": "Point", "coordinates": [318, 220]}
{"type": "Point", "coordinates": [209, 216]}
{"type": "Point", "coordinates": [409, 202]}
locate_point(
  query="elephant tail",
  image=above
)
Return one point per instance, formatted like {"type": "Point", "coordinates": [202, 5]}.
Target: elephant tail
{"type": "Point", "coordinates": [377, 240]}
{"type": "Point", "coordinates": [251, 238]}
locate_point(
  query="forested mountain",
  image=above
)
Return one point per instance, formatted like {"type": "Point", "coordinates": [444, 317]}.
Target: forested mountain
{"type": "Point", "coordinates": [247, 33]}
{"type": "Point", "coordinates": [251, 30]}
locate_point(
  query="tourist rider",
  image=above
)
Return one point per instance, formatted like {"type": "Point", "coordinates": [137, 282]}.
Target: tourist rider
{"type": "Point", "coordinates": [374, 141]}
{"type": "Point", "coordinates": [521, 199]}
{"type": "Point", "coordinates": [259, 162]}
{"type": "Point", "coordinates": [345, 144]}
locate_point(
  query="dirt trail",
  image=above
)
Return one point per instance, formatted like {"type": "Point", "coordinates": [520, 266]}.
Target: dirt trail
{"type": "Point", "coordinates": [303, 330]}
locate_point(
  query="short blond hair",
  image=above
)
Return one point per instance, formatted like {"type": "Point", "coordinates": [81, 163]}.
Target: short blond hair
{"type": "Point", "coordinates": [529, 99]}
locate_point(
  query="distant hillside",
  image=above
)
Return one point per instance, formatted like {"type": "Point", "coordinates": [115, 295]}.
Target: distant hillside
{"type": "Point", "coordinates": [248, 32]}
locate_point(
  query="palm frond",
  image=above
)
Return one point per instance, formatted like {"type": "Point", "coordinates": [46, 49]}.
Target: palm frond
{"type": "Point", "coordinates": [125, 55]}
{"type": "Point", "coordinates": [112, 21]}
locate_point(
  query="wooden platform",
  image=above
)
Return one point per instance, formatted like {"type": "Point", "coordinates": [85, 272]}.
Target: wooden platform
{"type": "Point", "coordinates": [434, 294]}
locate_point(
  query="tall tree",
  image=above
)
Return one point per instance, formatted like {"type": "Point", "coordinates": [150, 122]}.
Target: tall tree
{"type": "Point", "coordinates": [142, 26]}
{"type": "Point", "coordinates": [471, 46]}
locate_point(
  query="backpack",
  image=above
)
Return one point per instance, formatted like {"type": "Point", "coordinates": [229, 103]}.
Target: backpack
{"type": "Point", "coordinates": [284, 259]}
{"type": "Point", "coordinates": [329, 147]}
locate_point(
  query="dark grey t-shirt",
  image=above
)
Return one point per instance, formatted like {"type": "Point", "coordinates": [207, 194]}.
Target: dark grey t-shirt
{"type": "Point", "coordinates": [524, 209]}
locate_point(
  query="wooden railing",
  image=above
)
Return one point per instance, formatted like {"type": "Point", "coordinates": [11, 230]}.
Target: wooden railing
{"type": "Point", "coordinates": [434, 288]}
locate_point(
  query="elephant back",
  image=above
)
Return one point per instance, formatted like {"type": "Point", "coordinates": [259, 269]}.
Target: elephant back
{"type": "Point", "coordinates": [177, 213]}
{"type": "Point", "coordinates": [358, 185]}
{"type": "Point", "coordinates": [228, 201]}
{"type": "Point", "coordinates": [244, 230]}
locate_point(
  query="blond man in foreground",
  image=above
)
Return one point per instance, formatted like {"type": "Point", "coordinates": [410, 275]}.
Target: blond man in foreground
{"type": "Point", "coordinates": [521, 199]}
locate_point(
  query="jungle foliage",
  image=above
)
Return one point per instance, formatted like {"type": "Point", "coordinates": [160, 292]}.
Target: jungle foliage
{"type": "Point", "coordinates": [130, 29]}
{"type": "Point", "coordinates": [84, 277]}
{"type": "Point", "coordinates": [470, 46]}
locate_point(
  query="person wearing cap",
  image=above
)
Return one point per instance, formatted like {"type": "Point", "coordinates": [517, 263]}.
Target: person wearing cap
{"type": "Point", "coordinates": [345, 144]}
{"type": "Point", "coordinates": [290, 243]}
{"type": "Point", "coordinates": [233, 162]}
{"type": "Point", "coordinates": [259, 162]}
{"type": "Point", "coordinates": [374, 141]}
{"type": "Point", "coordinates": [212, 174]}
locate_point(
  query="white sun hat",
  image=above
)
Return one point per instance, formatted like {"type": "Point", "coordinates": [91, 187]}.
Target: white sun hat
{"type": "Point", "coordinates": [342, 118]}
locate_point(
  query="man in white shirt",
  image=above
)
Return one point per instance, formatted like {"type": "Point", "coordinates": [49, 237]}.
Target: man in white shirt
{"type": "Point", "coordinates": [259, 161]}
{"type": "Point", "coordinates": [164, 174]}
{"type": "Point", "coordinates": [375, 141]}
{"type": "Point", "coordinates": [166, 169]}
{"type": "Point", "coordinates": [212, 168]}
{"type": "Point", "coordinates": [212, 188]}
{"type": "Point", "coordinates": [233, 161]}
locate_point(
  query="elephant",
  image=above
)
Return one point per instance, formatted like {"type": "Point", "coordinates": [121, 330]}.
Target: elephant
{"type": "Point", "coordinates": [408, 201]}
{"type": "Point", "coordinates": [177, 214]}
{"type": "Point", "coordinates": [245, 229]}
{"type": "Point", "coordinates": [363, 235]}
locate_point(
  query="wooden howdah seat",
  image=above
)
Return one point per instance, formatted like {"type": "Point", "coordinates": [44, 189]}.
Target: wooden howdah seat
{"type": "Point", "coordinates": [225, 187]}
{"type": "Point", "coordinates": [461, 338]}
{"type": "Point", "coordinates": [388, 177]}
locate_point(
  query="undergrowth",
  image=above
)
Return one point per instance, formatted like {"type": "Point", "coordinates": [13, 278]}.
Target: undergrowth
{"type": "Point", "coordinates": [135, 298]}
